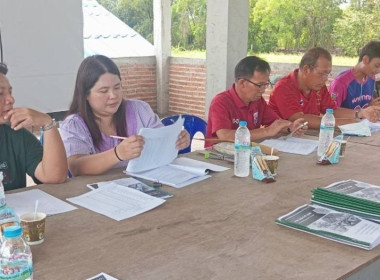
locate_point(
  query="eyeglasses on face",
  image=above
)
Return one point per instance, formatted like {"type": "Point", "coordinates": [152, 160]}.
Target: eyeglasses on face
{"type": "Point", "coordinates": [320, 74]}
{"type": "Point", "coordinates": [260, 86]}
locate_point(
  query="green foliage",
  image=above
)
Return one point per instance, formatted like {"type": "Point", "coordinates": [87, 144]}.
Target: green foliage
{"type": "Point", "coordinates": [275, 24]}
{"type": "Point", "coordinates": [292, 24]}
{"type": "Point", "coordinates": [289, 25]}
{"type": "Point", "coordinates": [138, 14]}
{"type": "Point", "coordinates": [359, 24]}
{"type": "Point", "coordinates": [189, 23]}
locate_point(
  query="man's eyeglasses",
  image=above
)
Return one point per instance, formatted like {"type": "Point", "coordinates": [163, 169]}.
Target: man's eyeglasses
{"type": "Point", "coordinates": [260, 86]}
{"type": "Point", "coordinates": [322, 75]}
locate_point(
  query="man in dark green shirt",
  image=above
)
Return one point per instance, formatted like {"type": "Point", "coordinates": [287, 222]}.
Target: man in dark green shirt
{"type": "Point", "coordinates": [20, 151]}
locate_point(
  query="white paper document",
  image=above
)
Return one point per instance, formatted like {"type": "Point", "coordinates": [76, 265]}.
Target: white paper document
{"type": "Point", "coordinates": [134, 184]}
{"type": "Point", "coordinates": [356, 129]}
{"type": "Point", "coordinates": [373, 127]}
{"type": "Point", "coordinates": [293, 145]}
{"type": "Point", "coordinates": [159, 147]}
{"type": "Point", "coordinates": [23, 202]}
{"type": "Point", "coordinates": [117, 202]}
{"type": "Point", "coordinates": [181, 172]}
{"type": "Point", "coordinates": [102, 276]}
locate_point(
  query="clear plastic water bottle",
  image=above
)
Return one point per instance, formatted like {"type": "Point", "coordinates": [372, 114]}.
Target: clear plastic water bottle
{"type": "Point", "coordinates": [326, 132]}
{"type": "Point", "coordinates": [242, 150]}
{"type": "Point", "coordinates": [2, 194]}
{"type": "Point", "coordinates": [16, 256]}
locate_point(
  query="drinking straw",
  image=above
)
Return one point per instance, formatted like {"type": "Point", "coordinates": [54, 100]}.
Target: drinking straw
{"type": "Point", "coordinates": [35, 209]}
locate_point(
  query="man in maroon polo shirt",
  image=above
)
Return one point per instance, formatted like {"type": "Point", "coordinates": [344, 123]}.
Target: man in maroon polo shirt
{"type": "Point", "coordinates": [303, 93]}
{"type": "Point", "coordinates": [244, 102]}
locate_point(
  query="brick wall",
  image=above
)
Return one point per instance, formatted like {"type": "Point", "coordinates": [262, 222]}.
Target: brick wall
{"type": "Point", "coordinates": [187, 82]}
{"type": "Point", "coordinates": [138, 78]}
{"type": "Point", "coordinates": [187, 86]}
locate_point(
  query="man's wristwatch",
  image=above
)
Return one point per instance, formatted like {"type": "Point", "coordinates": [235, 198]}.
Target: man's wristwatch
{"type": "Point", "coordinates": [357, 118]}
{"type": "Point", "coordinates": [49, 126]}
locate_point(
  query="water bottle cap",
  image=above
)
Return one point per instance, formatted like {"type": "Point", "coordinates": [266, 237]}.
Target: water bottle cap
{"type": "Point", "coordinates": [329, 111]}
{"type": "Point", "coordinates": [12, 231]}
{"type": "Point", "coordinates": [242, 123]}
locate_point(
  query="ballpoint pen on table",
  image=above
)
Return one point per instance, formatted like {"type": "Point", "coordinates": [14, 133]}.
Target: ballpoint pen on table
{"type": "Point", "coordinates": [298, 128]}
{"type": "Point", "coordinates": [214, 155]}
{"type": "Point", "coordinates": [154, 184]}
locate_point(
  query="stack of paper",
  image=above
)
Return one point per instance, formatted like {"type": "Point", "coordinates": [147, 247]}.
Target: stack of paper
{"type": "Point", "coordinates": [134, 184]}
{"type": "Point", "coordinates": [102, 276]}
{"type": "Point", "coordinates": [293, 145]}
{"type": "Point", "coordinates": [116, 201]}
{"type": "Point", "coordinates": [356, 129]}
{"type": "Point", "coordinates": [350, 196]}
{"type": "Point", "coordinates": [181, 172]}
{"type": "Point", "coordinates": [334, 225]}
{"type": "Point", "coordinates": [24, 202]}
{"type": "Point", "coordinates": [158, 160]}
{"type": "Point", "coordinates": [372, 126]}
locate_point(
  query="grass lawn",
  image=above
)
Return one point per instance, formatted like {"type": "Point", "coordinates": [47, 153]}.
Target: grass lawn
{"type": "Point", "coordinates": [270, 57]}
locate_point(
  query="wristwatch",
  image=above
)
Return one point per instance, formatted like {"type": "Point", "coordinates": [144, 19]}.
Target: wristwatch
{"type": "Point", "coordinates": [49, 126]}
{"type": "Point", "coordinates": [357, 118]}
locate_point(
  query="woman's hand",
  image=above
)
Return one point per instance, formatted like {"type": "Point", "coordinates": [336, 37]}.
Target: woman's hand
{"type": "Point", "coordinates": [183, 140]}
{"type": "Point", "coordinates": [130, 148]}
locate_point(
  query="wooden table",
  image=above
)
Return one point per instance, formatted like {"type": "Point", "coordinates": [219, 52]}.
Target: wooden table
{"type": "Point", "coordinates": [221, 228]}
{"type": "Point", "coordinates": [373, 140]}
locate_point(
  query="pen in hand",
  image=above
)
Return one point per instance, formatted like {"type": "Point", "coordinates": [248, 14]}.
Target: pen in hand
{"type": "Point", "coordinates": [298, 128]}
{"type": "Point", "coordinates": [118, 137]}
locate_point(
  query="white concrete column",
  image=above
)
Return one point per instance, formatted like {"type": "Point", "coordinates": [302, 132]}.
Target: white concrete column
{"type": "Point", "coordinates": [226, 43]}
{"type": "Point", "coordinates": [162, 45]}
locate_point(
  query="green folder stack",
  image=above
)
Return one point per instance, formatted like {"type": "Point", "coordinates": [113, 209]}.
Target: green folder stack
{"type": "Point", "coordinates": [350, 196]}
{"type": "Point", "coordinates": [340, 212]}
{"type": "Point", "coordinates": [334, 225]}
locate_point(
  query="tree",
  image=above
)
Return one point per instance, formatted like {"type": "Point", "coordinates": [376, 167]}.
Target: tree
{"type": "Point", "coordinates": [276, 24]}
{"type": "Point", "coordinates": [189, 23]}
{"type": "Point", "coordinates": [359, 24]}
{"type": "Point", "coordinates": [320, 19]}
{"type": "Point", "coordinates": [138, 14]}
{"type": "Point", "coordinates": [293, 24]}
{"type": "Point", "coordinates": [188, 19]}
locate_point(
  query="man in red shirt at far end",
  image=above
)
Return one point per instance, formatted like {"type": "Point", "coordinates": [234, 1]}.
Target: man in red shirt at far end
{"type": "Point", "coordinates": [303, 93]}
{"type": "Point", "coordinates": [243, 101]}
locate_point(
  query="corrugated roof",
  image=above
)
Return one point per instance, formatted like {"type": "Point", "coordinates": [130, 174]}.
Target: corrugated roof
{"type": "Point", "coordinates": [104, 33]}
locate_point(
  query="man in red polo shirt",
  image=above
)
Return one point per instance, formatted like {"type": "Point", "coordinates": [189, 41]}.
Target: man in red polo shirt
{"type": "Point", "coordinates": [244, 101]}
{"type": "Point", "coordinates": [303, 93]}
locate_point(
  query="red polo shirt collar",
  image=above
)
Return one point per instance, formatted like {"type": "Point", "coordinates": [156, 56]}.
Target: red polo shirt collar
{"type": "Point", "coordinates": [235, 97]}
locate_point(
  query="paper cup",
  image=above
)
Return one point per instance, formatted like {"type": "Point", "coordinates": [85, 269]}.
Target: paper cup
{"type": "Point", "coordinates": [33, 227]}
{"type": "Point", "coordinates": [343, 145]}
{"type": "Point", "coordinates": [272, 162]}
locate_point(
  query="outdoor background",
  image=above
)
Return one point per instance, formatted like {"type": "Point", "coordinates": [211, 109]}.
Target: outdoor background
{"type": "Point", "coordinates": [275, 26]}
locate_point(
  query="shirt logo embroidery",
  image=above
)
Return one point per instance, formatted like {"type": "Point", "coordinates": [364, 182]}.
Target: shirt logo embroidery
{"type": "Point", "coordinates": [333, 96]}
{"type": "Point", "coordinates": [301, 102]}
{"type": "Point", "coordinates": [255, 118]}
{"type": "Point", "coordinates": [235, 121]}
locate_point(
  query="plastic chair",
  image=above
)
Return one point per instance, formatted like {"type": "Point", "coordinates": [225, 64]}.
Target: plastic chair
{"type": "Point", "coordinates": [192, 124]}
